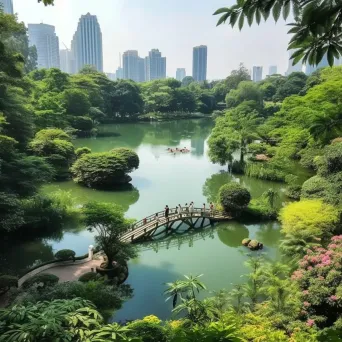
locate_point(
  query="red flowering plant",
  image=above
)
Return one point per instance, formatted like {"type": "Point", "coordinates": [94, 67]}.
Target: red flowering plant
{"type": "Point", "coordinates": [319, 277]}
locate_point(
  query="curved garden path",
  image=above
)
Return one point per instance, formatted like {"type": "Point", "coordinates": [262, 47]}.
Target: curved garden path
{"type": "Point", "coordinates": [73, 272]}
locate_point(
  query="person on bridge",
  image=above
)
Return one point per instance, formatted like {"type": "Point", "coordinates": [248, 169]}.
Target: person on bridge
{"type": "Point", "coordinates": [186, 208]}
{"type": "Point", "coordinates": [211, 208]}
{"type": "Point", "coordinates": [167, 212]}
{"type": "Point", "coordinates": [203, 210]}
{"type": "Point", "coordinates": [180, 210]}
{"type": "Point", "coordinates": [156, 218]}
{"type": "Point", "coordinates": [191, 208]}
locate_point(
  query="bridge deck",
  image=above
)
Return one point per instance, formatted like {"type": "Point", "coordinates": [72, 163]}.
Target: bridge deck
{"type": "Point", "coordinates": [150, 224]}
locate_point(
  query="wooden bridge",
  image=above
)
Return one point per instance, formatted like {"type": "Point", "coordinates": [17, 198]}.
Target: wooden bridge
{"type": "Point", "coordinates": [149, 226]}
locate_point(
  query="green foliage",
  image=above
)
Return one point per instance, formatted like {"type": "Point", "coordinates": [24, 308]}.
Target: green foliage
{"type": "Point", "coordinates": [109, 223]}
{"type": "Point", "coordinates": [315, 24]}
{"type": "Point", "coordinates": [309, 218]}
{"type": "Point", "coordinates": [65, 254]}
{"type": "Point", "coordinates": [260, 209]}
{"type": "Point", "coordinates": [75, 102]}
{"type": "Point", "coordinates": [82, 150]}
{"type": "Point", "coordinates": [41, 280]}
{"type": "Point", "coordinates": [272, 170]}
{"type": "Point", "coordinates": [246, 91]}
{"type": "Point", "coordinates": [89, 276]}
{"type": "Point", "coordinates": [7, 281]}
{"type": "Point", "coordinates": [234, 197]}
{"type": "Point", "coordinates": [106, 169]}
{"type": "Point", "coordinates": [149, 331]}
{"type": "Point", "coordinates": [331, 161]}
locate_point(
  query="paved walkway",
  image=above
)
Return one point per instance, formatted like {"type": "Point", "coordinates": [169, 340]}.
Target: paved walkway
{"type": "Point", "coordinates": [73, 272]}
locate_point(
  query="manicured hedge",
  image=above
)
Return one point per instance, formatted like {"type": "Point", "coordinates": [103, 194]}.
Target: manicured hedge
{"type": "Point", "coordinates": [90, 276]}
{"type": "Point", "coordinates": [65, 254]}
{"type": "Point", "coordinates": [45, 278]}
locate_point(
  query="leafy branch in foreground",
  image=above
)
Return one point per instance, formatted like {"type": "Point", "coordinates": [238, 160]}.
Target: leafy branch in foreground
{"type": "Point", "coordinates": [317, 26]}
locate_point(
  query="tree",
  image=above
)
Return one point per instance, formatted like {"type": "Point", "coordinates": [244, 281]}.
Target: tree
{"type": "Point", "coordinates": [109, 223]}
{"type": "Point", "coordinates": [246, 91]}
{"type": "Point", "coordinates": [76, 102]}
{"type": "Point", "coordinates": [316, 30]}
{"type": "Point", "coordinates": [234, 197]}
{"type": "Point", "coordinates": [106, 169]}
{"type": "Point", "coordinates": [187, 81]}
{"type": "Point", "coordinates": [236, 77]}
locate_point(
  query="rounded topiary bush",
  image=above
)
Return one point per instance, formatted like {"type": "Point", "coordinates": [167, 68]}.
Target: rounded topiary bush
{"type": "Point", "coordinates": [65, 254]}
{"type": "Point", "coordinates": [7, 281]}
{"type": "Point", "coordinates": [246, 241]}
{"type": "Point", "coordinates": [89, 276]}
{"type": "Point", "coordinates": [81, 151]}
{"type": "Point", "coordinates": [106, 169]}
{"type": "Point", "coordinates": [45, 279]}
{"type": "Point", "coordinates": [234, 197]}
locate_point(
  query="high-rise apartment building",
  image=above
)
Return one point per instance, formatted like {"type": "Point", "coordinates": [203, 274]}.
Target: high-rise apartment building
{"type": "Point", "coordinates": [66, 62]}
{"type": "Point", "coordinates": [44, 38]}
{"type": "Point", "coordinates": [111, 76]}
{"type": "Point", "coordinates": [131, 63]}
{"type": "Point", "coordinates": [86, 45]}
{"type": "Point", "coordinates": [7, 6]}
{"type": "Point", "coordinates": [257, 73]}
{"type": "Point", "coordinates": [155, 65]}
{"type": "Point", "coordinates": [273, 70]}
{"type": "Point", "coordinates": [199, 63]}
{"type": "Point", "coordinates": [180, 74]}
{"type": "Point", "coordinates": [293, 68]}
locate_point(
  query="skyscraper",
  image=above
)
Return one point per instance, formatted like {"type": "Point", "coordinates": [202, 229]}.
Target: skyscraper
{"type": "Point", "coordinates": [119, 73]}
{"type": "Point", "coordinates": [199, 63]}
{"type": "Point", "coordinates": [65, 61]}
{"type": "Point", "coordinates": [180, 74]}
{"type": "Point", "coordinates": [309, 69]}
{"type": "Point", "coordinates": [272, 70]}
{"type": "Point", "coordinates": [7, 6]}
{"type": "Point", "coordinates": [257, 73]}
{"type": "Point", "coordinates": [86, 45]}
{"type": "Point", "coordinates": [131, 63]}
{"type": "Point", "coordinates": [141, 70]}
{"type": "Point", "coordinates": [293, 68]}
{"type": "Point", "coordinates": [155, 65]}
{"type": "Point", "coordinates": [44, 38]}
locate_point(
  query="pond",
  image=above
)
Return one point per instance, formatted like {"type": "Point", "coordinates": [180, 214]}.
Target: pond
{"type": "Point", "coordinates": [162, 178]}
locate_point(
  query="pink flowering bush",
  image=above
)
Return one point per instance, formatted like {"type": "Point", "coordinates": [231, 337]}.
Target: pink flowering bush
{"type": "Point", "coordinates": [319, 277]}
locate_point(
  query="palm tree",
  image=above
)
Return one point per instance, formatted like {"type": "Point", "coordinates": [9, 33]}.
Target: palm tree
{"type": "Point", "coordinates": [186, 288]}
{"type": "Point", "coordinates": [325, 127]}
{"type": "Point", "coordinates": [270, 196]}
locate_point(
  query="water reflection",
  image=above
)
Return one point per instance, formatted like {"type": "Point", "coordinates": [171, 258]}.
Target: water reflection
{"type": "Point", "coordinates": [232, 234]}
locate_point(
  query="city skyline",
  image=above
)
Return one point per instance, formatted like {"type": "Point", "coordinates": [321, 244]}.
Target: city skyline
{"type": "Point", "coordinates": [132, 25]}
{"type": "Point", "coordinates": [257, 75]}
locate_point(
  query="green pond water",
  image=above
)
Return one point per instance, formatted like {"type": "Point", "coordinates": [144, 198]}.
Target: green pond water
{"type": "Point", "coordinates": [163, 178]}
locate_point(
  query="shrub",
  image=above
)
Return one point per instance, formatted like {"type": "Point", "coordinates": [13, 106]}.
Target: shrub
{"type": "Point", "coordinates": [105, 169]}
{"type": "Point", "coordinates": [318, 187]}
{"type": "Point", "coordinates": [52, 134]}
{"type": "Point", "coordinates": [81, 151]}
{"type": "Point", "coordinates": [45, 278]}
{"type": "Point", "coordinates": [308, 156]}
{"type": "Point", "coordinates": [256, 148]}
{"type": "Point", "coordinates": [265, 170]}
{"type": "Point", "coordinates": [293, 192]}
{"type": "Point", "coordinates": [331, 161]}
{"type": "Point", "coordinates": [309, 218]}
{"type": "Point", "coordinates": [130, 157]}
{"type": "Point", "coordinates": [65, 254]}
{"type": "Point", "coordinates": [148, 330]}
{"type": "Point", "coordinates": [89, 276]}
{"type": "Point", "coordinates": [259, 208]}
{"type": "Point", "coordinates": [82, 123]}
{"type": "Point", "coordinates": [234, 197]}
{"type": "Point", "coordinates": [319, 277]}
{"type": "Point", "coordinates": [7, 281]}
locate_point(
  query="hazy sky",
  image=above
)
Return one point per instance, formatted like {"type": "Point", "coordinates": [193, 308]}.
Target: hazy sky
{"type": "Point", "coordinates": [172, 26]}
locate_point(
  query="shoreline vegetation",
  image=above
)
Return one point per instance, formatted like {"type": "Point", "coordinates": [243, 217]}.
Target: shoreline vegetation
{"type": "Point", "coordinates": [273, 124]}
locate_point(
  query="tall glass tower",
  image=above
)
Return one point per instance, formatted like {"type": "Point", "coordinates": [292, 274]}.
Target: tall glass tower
{"type": "Point", "coordinates": [199, 63]}
{"type": "Point", "coordinates": [44, 38]}
{"type": "Point", "coordinates": [86, 45]}
{"type": "Point", "coordinates": [7, 6]}
{"type": "Point", "coordinates": [155, 65]}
